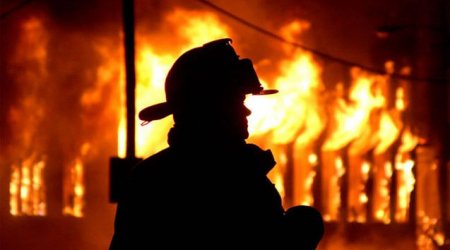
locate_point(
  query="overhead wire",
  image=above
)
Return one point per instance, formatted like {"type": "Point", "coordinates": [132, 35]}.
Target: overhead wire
{"type": "Point", "coordinates": [319, 53]}
{"type": "Point", "coordinates": [274, 36]}
{"type": "Point", "coordinates": [15, 8]}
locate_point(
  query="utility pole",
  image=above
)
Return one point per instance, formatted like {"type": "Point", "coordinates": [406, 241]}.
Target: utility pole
{"type": "Point", "coordinates": [128, 24]}
{"type": "Point", "coordinates": [120, 168]}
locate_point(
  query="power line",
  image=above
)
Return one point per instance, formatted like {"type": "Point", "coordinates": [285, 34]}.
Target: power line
{"type": "Point", "coordinates": [14, 9]}
{"type": "Point", "coordinates": [312, 50]}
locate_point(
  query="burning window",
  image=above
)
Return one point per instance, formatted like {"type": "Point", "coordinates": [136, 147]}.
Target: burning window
{"type": "Point", "coordinates": [27, 186]}
{"type": "Point", "coordinates": [28, 116]}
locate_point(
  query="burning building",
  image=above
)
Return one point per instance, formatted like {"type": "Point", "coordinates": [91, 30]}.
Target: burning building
{"type": "Point", "coordinates": [367, 145]}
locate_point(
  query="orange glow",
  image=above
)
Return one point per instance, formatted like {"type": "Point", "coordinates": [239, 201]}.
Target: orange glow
{"type": "Point", "coordinates": [27, 187]}
{"type": "Point", "coordinates": [367, 97]}
{"type": "Point", "coordinates": [407, 180]}
{"type": "Point", "coordinates": [388, 132]}
{"type": "Point", "coordinates": [340, 170]}
{"type": "Point", "coordinates": [429, 232]}
{"type": "Point", "coordinates": [351, 125]}
{"type": "Point", "coordinates": [151, 70]}
{"type": "Point", "coordinates": [14, 187]}
{"type": "Point", "coordinates": [110, 72]}
{"type": "Point", "coordinates": [198, 27]}
{"type": "Point", "coordinates": [390, 128]}
{"type": "Point", "coordinates": [408, 141]}
{"type": "Point", "coordinates": [74, 188]}
{"type": "Point", "coordinates": [400, 99]}
{"type": "Point", "coordinates": [405, 176]}
{"type": "Point", "coordinates": [295, 115]}
{"type": "Point", "coordinates": [27, 190]}
{"type": "Point", "coordinates": [351, 119]}
{"type": "Point", "coordinates": [383, 174]}
{"type": "Point", "coordinates": [308, 183]}
{"type": "Point", "coordinates": [357, 196]}
{"type": "Point", "coordinates": [297, 106]}
{"type": "Point", "coordinates": [334, 169]}
{"type": "Point", "coordinates": [347, 148]}
{"type": "Point", "coordinates": [291, 121]}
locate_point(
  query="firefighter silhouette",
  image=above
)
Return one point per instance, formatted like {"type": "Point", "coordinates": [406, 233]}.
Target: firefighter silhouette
{"type": "Point", "coordinates": [209, 188]}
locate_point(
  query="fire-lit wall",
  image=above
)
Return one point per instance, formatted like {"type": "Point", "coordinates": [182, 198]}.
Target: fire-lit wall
{"type": "Point", "coordinates": [358, 128]}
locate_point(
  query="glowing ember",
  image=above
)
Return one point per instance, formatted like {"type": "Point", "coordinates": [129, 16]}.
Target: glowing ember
{"type": "Point", "coordinates": [406, 180]}
{"type": "Point", "coordinates": [430, 224]}
{"type": "Point", "coordinates": [333, 170]}
{"type": "Point", "coordinates": [357, 197]}
{"type": "Point", "coordinates": [309, 198]}
{"type": "Point", "coordinates": [400, 99]}
{"type": "Point", "coordinates": [304, 173]}
{"type": "Point", "coordinates": [381, 199]}
{"type": "Point", "coordinates": [430, 235]}
{"type": "Point", "coordinates": [405, 176]}
{"type": "Point", "coordinates": [14, 187]}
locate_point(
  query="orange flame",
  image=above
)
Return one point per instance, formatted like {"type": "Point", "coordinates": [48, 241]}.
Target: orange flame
{"type": "Point", "coordinates": [350, 125]}
{"type": "Point", "coordinates": [405, 176]}
{"type": "Point", "coordinates": [27, 189]}
{"type": "Point", "coordinates": [381, 203]}
{"type": "Point", "coordinates": [351, 119]}
{"type": "Point", "coordinates": [293, 115]}
{"type": "Point", "coordinates": [74, 188]}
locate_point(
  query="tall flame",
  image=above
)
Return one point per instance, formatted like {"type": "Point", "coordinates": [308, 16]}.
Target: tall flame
{"type": "Point", "coordinates": [351, 118]}
{"type": "Point", "coordinates": [294, 115]}
{"type": "Point", "coordinates": [390, 128]}
{"type": "Point", "coordinates": [405, 176]}
{"type": "Point", "coordinates": [364, 123]}
{"type": "Point", "coordinates": [74, 188]}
